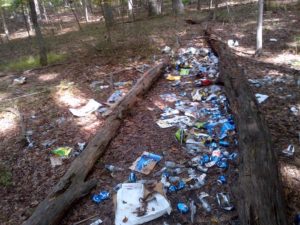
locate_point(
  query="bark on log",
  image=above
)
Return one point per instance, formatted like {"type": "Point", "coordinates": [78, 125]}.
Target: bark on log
{"type": "Point", "coordinates": [259, 191]}
{"type": "Point", "coordinates": [74, 184]}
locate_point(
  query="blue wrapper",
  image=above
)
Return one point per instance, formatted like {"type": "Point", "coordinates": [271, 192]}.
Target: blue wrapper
{"type": "Point", "coordinates": [182, 208]}
{"type": "Point", "coordinates": [103, 195]}
{"type": "Point", "coordinates": [222, 179]}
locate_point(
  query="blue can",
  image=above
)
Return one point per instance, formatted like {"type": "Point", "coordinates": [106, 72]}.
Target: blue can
{"type": "Point", "coordinates": [181, 185]}
{"type": "Point", "coordinates": [222, 179]}
{"type": "Point", "coordinates": [172, 188]}
{"type": "Point", "coordinates": [182, 208]}
{"type": "Point", "coordinates": [224, 143]}
{"type": "Point", "coordinates": [232, 156]}
{"type": "Point", "coordinates": [103, 195]}
{"type": "Point", "coordinates": [132, 178]}
{"type": "Point", "coordinates": [222, 164]}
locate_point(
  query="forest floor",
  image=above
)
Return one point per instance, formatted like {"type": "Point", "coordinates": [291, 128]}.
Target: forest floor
{"type": "Point", "coordinates": [26, 175]}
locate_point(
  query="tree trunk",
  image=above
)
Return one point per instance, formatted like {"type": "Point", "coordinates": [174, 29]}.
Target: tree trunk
{"type": "Point", "coordinates": [45, 11]}
{"type": "Point", "coordinates": [37, 9]}
{"type": "Point", "coordinates": [215, 10]}
{"type": "Point", "coordinates": [178, 7]}
{"type": "Point", "coordinates": [38, 34]}
{"type": "Point", "coordinates": [108, 13]}
{"type": "Point", "coordinates": [25, 19]}
{"type": "Point", "coordinates": [75, 15]}
{"type": "Point", "coordinates": [29, 20]}
{"type": "Point", "coordinates": [259, 40]}
{"type": "Point", "coordinates": [154, 7]}
{"type": "Point", "coordinates": [86, 12]}
{"type": "Point", "coordinates": [199, 5]}
{"type": "Point", "coordinates": [259, 190]}
{"type": "Point", "coordinates": [73, 185]}
{"type": "Point", "coordinates": [4, 23]}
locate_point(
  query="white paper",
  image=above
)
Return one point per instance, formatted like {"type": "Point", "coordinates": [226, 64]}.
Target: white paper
{"type": "Point", "coordinates": [56, 161]}
{"type": "Point", "coordinates": [90, 107]}
{"type": "Point", "coordinates": [261, 98]}
{"type": "Point", "coordinates": [128, 200]}
{"type": "Point", "coordinates": [177, 120]}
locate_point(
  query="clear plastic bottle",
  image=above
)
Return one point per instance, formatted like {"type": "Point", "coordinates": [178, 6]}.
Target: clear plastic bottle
{"type": "Point", "coordinates": [112, 168]}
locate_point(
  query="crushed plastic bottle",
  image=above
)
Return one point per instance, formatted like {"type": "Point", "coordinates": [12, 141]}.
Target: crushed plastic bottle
{"type": "Point", "coordinates": [224, 201]}
{"type": "Point", "coordinates": [206, 206]}
{"type": "Point", "coordinates": [170, 164]}
{"type": "Point", "coordinates": [113, 169]}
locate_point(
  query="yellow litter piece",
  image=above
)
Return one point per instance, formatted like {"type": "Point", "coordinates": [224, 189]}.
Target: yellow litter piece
{"type": "Point", "coordinates": [172, 77]}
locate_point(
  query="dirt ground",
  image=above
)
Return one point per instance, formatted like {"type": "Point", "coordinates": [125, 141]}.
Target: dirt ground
{"type": "Point", "coordinates": [28, 175]}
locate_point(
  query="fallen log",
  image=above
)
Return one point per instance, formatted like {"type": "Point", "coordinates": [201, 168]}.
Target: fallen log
{"type": "Point", "coordinates": [74, 184]}
{"type": "Point", "coordinates": [259, 191]}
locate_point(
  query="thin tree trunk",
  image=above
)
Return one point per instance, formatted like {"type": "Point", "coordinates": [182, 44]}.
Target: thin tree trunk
{"type": "Point", "coordinates": [29, 20]}
{"type": "Point", "coordinates": [104, 9]}
{"type": "Point", "coordinates": [45, 11]}
{"type": "Point", "coordinates": [25, 19]}
{"type": "Point", "coordinates": [37, 9]}
{"type": "Point", "coordinates": [4, 23]}
{"type": "Point", "coordinates": [215, 9]}
{"type": "Point", "coordinates": [76, 18]}
{"type": "Point", "coordinates": [38, 34]}
{"type": "Point", "coordinates": [259, 41]}
{"type": "Point", "coordinates": [86, 12]}
{"type": "Point", "coordinates": [199, 5]}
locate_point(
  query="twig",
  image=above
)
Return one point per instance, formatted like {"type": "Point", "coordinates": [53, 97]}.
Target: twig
{"type": "Point", "coordinates": [24, 96]}
{"type": "Point", "coordinates": [84, 220]}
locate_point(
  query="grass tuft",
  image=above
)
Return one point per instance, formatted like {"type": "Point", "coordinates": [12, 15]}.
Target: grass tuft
{"type": "Point", "coordinates": [30, 62]}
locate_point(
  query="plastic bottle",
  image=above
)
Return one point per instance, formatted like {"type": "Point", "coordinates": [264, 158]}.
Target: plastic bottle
{"type": "Point", "coordinates": [112, 168]}
{"type": "Point", "coordinates": [206, 206]}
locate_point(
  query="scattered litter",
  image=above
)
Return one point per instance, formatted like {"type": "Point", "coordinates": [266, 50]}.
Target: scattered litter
{"type": "Point", "coordinates": [132, 177]}
{"type": "Point", "coordinates": [19, 80]}
{"type": "Point", "coordinates": [101, 197]}
{"type": "Point", "coordinates": [175, 121]}
{"type": "Point", "coordinates": [98, 85]}
{"type": "Point", "coordinates": [62, 151]}
{"type": "Point", "coordinates": [90, 107]}
{"type": "Point", "coordinates": [97, 222]}
{"type": "Point", "coordinates": [184, 72]}
{"type": "Point", "coordinates": [222, 179]}
{"type": "Point", "coordinates": [48, 143]}
{"type": "Point", "coordinates": [116, 96]}
{"type": "Point", "coordinates": [173, 78]}
{"type": "Point", "coordinates": [29, 140]}
{"type": "Point", "coordinates": [169, 97]}
{"type": "Point", "coordinates": [166, 50]}
{"type": "Point", "coordinates": [261, 98]}
{"type": "Point", "coordinates": [295, 110]}
{"type": "Point", "coordinates": [135, 207]}
{"type": "Point", "coordinates": [145, 163]}
{"type": "Point", "coordinates": [112, 168]}
{"type": "Point", "coordinates": [232, 43]}
{"type": "Point", "coordinates": [224, 201]}
{"type": "Point", "coordinates": [56, 161]}
{"type": "Point", "coordinates": [273, 40]}
{"type": "Point", "coordinates": [205, 205]}
{"type": "Point", "coordinates": [289, 151]}
{"type": "Point", "coordinates": [123, 83]}
{"type": "Point", "coordinates": [182, 208]}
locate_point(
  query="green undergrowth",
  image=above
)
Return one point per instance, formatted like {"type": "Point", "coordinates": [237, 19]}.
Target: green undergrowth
{"type": "Point", "coordinates": [5, 176]}
{"type": "Point", "coordinates": [30, 62]}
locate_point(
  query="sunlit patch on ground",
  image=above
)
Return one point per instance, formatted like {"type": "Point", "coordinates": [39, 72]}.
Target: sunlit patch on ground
{"type": "Point", "coordinates": [48, 76]}
{"type": "Point", "coordinates": [70, 96]}
{"type": "Point", "coordinates": [284, 58]}
{"type": "Point", "coordinates": [89, 124]}
{"type": "Point", "coordinates": [290, 174]}
{"type": "Point", "coordinates": [8, 123]}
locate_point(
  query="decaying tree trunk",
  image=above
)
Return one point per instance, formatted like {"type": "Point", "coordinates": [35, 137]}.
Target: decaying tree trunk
{"type": "Point", "coordinates": [154, 7]}
{"type": "Point", "coordinates": [259, 192]}
{"type": "Point", "coordinates": [178, 7]}
{"type": "Point", "coordinates": [74, 184]}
